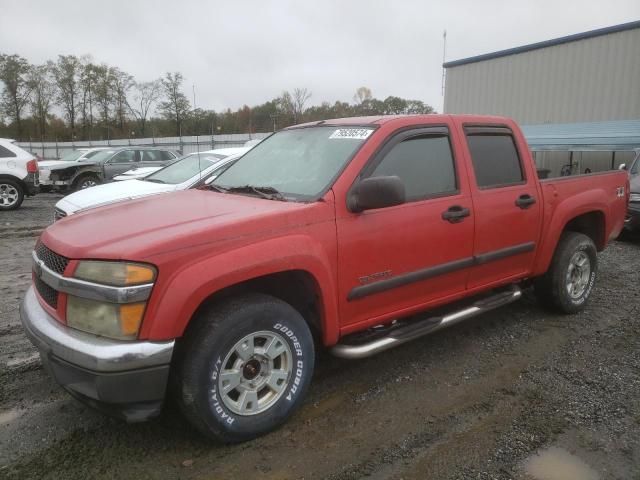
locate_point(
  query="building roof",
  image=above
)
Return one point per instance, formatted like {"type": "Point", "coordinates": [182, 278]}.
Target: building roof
{"type": "Point", "coordinates": [591, 136]}
{"type": "Point", "coordinates": [547, 43]}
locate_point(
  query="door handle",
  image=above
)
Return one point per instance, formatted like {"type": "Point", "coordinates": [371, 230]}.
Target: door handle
{"type": "Point", "coordinates": [525, 201]}
{"type": "Point", "coordinates": [455, 214]}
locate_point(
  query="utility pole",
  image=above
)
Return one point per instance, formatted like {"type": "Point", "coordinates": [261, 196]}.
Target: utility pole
{"type": "Point", "coordinates": [444, 56]}
{"type": "Point", "coordinates": [274, 117]}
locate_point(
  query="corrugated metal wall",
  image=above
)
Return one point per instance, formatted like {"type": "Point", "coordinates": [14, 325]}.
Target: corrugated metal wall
{"type": "Point", "coordinates": [587, 80]}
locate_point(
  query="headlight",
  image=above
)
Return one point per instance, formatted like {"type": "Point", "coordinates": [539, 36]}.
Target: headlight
{"type": "Point", "coordinates": [120, 321]}
{"type": "Point", "coordinates": [113, 320]}
{"type": "Point", "coordinates": [118, 274]}
{"type": "Point", "coordinates": [634, 197]}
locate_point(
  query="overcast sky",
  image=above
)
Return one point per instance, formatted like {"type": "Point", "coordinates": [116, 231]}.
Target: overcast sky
{"type": "Point", "coordinates": [246, 52]}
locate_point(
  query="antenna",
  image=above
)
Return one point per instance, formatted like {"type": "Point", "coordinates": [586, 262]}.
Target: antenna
{"type": "Point", "coordinates": [193, 86]}
{"type": "Point", "coordinates": [444, 55]}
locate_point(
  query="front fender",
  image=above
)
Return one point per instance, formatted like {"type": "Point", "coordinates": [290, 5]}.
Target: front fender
{"type": "Point", "coordinates": [176, 298]}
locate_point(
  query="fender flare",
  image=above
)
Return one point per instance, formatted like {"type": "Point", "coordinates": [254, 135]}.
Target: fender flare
{"type": "Point", "coordinates": [176, 299]}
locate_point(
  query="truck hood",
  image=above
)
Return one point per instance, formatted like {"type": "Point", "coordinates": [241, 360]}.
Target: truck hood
{"type": "Point", "coordinates": [110, 193]}
{"type": "Point", "coordinates": [54, 164]}
{"type": "Point", "coordinates": [143, 228]}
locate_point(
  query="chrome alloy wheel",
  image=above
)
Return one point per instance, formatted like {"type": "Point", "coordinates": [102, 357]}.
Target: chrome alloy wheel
{"type": "Point", "coordinates": [578, 274]}
{"type": "Point", "coordinates": [8, 195]}
{"type": "Point", "coordinates": [88, 184]}
{"type": "Point", "coordinates": [255, 373]}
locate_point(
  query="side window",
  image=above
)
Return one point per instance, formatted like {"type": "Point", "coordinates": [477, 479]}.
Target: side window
{"type": "Point", "coordinates": [164, 155]}
{"type": "Point", "coordinates": [150, 156]}
{"type": "Point", "coordinates": [6, 153]}
{"type": "Point", "coordinates": [124, 156]}
{"type": "Point", "coordinates": [425, 165]}
{"type": "Point", "coordinates": [495, 159]}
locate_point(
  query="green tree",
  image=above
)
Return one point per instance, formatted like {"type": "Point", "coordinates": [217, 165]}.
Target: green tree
{"type": "Point", "coordinates": [43, 90]}
{"type": "Point", "coordinates": [14, 70]}
{"type": "Point", "coordinates": [67, 71]}
{"type": "Point", "coordinates": [176, 104]}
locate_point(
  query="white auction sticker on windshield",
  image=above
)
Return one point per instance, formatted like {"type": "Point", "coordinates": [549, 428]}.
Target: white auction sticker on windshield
{"type": "Point", "coordinates": [352, 133]}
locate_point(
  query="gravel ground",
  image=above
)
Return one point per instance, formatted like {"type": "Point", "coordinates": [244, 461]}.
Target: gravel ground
{"type": "Point", "coordinates": [475, 401]}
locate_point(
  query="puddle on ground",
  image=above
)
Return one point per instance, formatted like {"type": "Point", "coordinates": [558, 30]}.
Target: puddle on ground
{"type": "Point", "coordinates": [557, 464]}
{"type": "Point", "coordinates": [8, 416]}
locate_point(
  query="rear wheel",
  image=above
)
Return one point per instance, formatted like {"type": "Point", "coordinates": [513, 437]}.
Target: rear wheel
{"type": "Point", "coordinates": [85, 181]}
{"type": "Point", "coordinates": [11, 194]}
{"type": "Point", "coordinates": [568, 283]}
{"type": "Point", "coordinates": [244, 367]}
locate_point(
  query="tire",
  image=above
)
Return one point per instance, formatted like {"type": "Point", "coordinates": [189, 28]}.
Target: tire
{"type": "Point", "coordinates": [11, 194]}
{"type": "Point", "coordinates": [209, 364]}
{"type": "Point", "coordinates": [85, 181]}
{"type": "Point", "coordinates": [567, 285]}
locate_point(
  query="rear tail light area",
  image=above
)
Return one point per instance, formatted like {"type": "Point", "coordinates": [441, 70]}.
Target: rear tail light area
{"type": "Point", "coordinates": [32, 166]}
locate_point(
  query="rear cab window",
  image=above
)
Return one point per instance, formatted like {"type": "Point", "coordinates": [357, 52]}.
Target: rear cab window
{"type": "Point", "coordinates": [495, 158]}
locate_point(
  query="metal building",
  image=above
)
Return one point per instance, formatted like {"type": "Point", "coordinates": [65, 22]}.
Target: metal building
{"type": "Point", "coordinates": [587, 77]}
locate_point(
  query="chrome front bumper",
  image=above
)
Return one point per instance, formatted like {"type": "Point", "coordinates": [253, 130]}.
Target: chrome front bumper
{"type": "Point", "coordinates": [127, 379]}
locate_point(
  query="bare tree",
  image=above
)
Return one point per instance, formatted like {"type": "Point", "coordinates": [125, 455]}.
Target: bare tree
{"type": "Point", "coordinates": [145, 96]}
{"type": "Point", "coordinates": [67, 71]}
{"type": "Point", "coordinates": [43, 91]}
{"type": "Point", "coordinates": [300, 97]}
{"type": "Point", "coordinates": [176, 104]}
{"type": "Point", "coordinates": [122, 82]}
{"type": "Point", "coordinates": [13, 73]}
{"type": "Point", "coordinates": [88, 80]}
{"type": "Point", "coordinates": [362, 94]}
{"type": "Point", "coordinates": [103, 90]}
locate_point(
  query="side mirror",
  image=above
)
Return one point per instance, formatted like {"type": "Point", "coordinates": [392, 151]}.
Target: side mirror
{"type": "Point", "coordinates": [622, 166]}
{"type": "Point", "coordinates": [377, 192]}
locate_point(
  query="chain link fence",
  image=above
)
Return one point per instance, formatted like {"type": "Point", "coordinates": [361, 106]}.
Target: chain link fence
{"type": "Point", "coordinates": [185, 144]}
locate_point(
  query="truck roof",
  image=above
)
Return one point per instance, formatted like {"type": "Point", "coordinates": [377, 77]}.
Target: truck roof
{"type": "Point", "coordinates": [382, 119]}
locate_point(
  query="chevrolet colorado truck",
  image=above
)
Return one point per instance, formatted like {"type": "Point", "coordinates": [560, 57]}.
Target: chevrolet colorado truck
{"type": "Point", "coordinates": [354, 235]}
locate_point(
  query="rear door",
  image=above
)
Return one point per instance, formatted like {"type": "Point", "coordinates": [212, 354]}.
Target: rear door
{"type": "Point", "coordinates": [399, 258]}
{"type": "Point", "coordinates": [506, 205]}
{"type": "Point", "coordinates": [121, 162]}
{"type": "Point", "coordinates": [154, 158]}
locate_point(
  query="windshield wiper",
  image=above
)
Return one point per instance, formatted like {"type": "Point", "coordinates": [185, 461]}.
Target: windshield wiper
{"type": "Point", "coordinates": [217, 188]}
{"type": "Point", "coordinates": [269, 193]}
{"type": "Point", "coordinates": [154, 180]}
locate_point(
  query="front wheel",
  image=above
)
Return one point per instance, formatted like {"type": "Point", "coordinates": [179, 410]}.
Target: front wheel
{"type": "Point", "coordinates": [244, 367]}
{"type": "Point", "coordinates": [85, 181]}
{"type": "Point", "coordinates": [568, 283]}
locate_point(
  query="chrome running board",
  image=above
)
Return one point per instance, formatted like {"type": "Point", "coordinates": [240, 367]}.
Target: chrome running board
{"type": "Point", "coordinates": [405, 333]}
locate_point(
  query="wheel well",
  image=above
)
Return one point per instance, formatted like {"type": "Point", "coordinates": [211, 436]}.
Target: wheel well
{"type": "Point", "coordinates": [298, 288]}
{"type": "Point", "coordinates": [591, 224]}
{"type": "Point", "coordinates": [15, 179]}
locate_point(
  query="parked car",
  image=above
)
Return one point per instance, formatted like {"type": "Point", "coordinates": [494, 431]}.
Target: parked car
{"type": "Point", "coordinates": [632, 221]}
{"type": "Point", "coordinates": [106, 164]}
{"type": "Point", "coordinates": [142, 172]}
{"type": "Point", "coordinates": [69, 158]}
{"type": "Point", "coordinates": [188, 172]}
{"type": "Point", "coordinates": [344, 234]}
{"type": "Point", "coordinates": [18, 175]}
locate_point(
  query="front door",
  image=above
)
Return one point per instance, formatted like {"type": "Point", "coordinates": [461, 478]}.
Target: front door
{"type": "Point", "coordinates": [121, 162]}
{"type": "Point", "coordinates": [392, 260]}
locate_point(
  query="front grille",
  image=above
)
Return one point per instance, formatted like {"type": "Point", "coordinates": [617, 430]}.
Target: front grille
{"type": "Point", "coordinates": [52, 260]}
{"type": "Point", "coordinates": [47, 293]}
{"type": "Point", "coordinates": [58, 214]}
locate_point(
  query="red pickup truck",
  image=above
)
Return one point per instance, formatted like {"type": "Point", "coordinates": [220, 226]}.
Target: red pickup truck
{"type": "Point", "coordinates": [355, 235]}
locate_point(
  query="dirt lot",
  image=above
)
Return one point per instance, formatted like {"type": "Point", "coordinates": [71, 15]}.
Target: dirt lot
{"type": "Point", "coordinates": [475, 401]}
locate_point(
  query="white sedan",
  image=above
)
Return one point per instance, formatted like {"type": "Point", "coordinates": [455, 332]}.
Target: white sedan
{"type": "Point", "coordinates": [188, 172]}
{"type": "Point", "coordinates": [142, 172]}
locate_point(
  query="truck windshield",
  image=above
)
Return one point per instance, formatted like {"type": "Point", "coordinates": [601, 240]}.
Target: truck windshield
{"type": "Point", "coordinates": [635, 168]}
{"type": "Point", "coordinates": [299, 163]}
{"type": "Point", "coordinates": [183, 169]}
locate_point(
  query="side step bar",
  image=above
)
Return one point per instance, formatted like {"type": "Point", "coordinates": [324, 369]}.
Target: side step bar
{"type": "Point", "coordinates": [417, 329]}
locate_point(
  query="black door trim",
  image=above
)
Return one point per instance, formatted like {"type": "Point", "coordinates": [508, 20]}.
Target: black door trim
{"type": "Point", "coordinates": [442, 269]}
